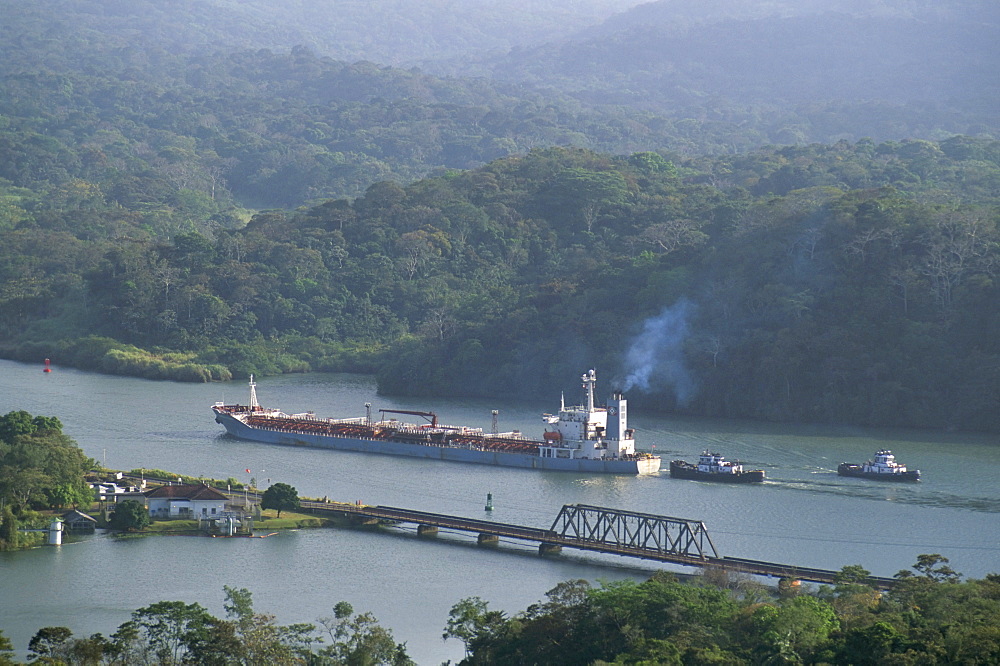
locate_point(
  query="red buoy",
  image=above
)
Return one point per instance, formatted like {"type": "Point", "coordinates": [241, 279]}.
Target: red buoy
{"type": "Point", "coordinates": [47, 368]}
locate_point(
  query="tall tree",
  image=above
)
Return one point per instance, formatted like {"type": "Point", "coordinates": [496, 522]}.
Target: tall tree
{"type": "Point", "coordinates": [281, 497]}
{"type": "Point", "coordinates": [130, 516]}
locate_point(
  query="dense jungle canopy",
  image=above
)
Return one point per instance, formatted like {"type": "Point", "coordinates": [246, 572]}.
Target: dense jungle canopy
{"type": "Point", "coordinates": [202, 213]}
{"type": "Point", "coordinates": [847, 282]}
{"type": "Point", "coordinates": [931, 616]}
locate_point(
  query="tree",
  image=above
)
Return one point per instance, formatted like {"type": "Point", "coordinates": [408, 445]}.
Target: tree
{"type": "Point", "coordinates": [281, 497]}
{"type": "Point", "coordinates": [359, 639]}
{"type": "Point", "coordinates": [8, 529]}
{"type": "Point", "coordinates": [50, 645]}
{"type": "Point", "coordinates": [130, 515]}
{"type": "Point", "coordinates": [870, 645]}
{"type": "Point", "coordinates": [852, 574]}
{"type": "Point", "coordinates": [256, 637]}
{"type": "Point", "coordinates": [39, 465]}
{"type": "Point", "coordinates": [589, 192]}
{"type": "Point", "coordinates": [804, 622]}
{"type": "Point", "coordinates": [673, 234]}
{"type": "Point", "coordinates": [71, 494]}
{"type": "Point", "coordinates": [480, 629]}
{"type": "Point", "coordinates": [6, 651]}
{"type": "Point", "coordinates": [171, 628]}
{"type": "Point", "coordinates": [464, 620]}
{"type": "Point", "coordinates": [16, 423]}
{"type": "Point", "coordinates": [927, 564]}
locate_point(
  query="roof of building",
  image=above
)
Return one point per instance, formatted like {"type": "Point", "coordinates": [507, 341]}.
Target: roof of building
{"type": "Point", "coordinates": [192, 491]}
{"type": "Point", "coordinates": [74, 515]}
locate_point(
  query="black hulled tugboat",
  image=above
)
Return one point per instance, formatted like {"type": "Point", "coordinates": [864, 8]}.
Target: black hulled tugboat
{"type": "Point", "coordinates": [713, 467]}
{"type": "Point", "coordinates": [883, 468]}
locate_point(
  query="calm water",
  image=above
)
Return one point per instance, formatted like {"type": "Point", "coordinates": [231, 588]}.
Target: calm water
{"type": "Point", "coordinates": [804, 514]}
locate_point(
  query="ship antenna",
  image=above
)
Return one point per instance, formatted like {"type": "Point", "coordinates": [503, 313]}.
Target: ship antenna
{"type": "Point", "coordinates": [254, 405]}
{"type": "Point", "coordinates": [562, 401]}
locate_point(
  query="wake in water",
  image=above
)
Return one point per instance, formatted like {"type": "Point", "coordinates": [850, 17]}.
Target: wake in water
{"type": "Point", "coordinates": [919, 496]}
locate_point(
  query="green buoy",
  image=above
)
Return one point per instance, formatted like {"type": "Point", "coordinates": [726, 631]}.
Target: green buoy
{"type": "Point", "coordinates": [489, 501]}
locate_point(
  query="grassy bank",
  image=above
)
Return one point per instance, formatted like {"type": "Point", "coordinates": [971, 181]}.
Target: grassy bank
{"type": "Point", "coordinates": [268, 521]}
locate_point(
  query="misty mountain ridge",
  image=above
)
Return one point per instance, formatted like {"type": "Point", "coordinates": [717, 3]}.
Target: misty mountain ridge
{"type": "Point", "coordinates": [388, 32]}
{"type": "Point", "coordinates": [679, 15]}
{"type": "Point", "coordinates": [708, 77]}
{"type": "Point", "coordinates": [665, 55]}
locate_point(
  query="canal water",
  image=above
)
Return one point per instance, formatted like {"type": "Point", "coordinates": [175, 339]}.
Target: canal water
{"type": "Point", "coordinates": [803, 514]}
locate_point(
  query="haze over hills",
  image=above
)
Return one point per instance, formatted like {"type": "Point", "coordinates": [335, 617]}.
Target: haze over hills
{"type": "Point", "coordinates": [387, 32]}
{"type": "Point", "coordinates": [765, 72]}
{"type": "Point", "coordinates": [849, 69]}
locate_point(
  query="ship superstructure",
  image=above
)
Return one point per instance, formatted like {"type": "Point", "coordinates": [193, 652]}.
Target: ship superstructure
{"type": "Point", "coordinates": [589, 432]}
{"type": "Point", "coordinates": [584, 438]}
{"type": "Point", "coordinates": [882, 468]}
{"type": "Point", "coordinates": [713, 467]}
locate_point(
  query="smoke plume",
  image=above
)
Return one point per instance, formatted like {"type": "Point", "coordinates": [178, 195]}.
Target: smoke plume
{"type": "Point", "coordinates": [655, 358]}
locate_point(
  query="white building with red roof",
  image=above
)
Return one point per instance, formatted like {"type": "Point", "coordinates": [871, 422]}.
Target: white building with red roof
{"type": "Point", "coordinates": [192, 501]}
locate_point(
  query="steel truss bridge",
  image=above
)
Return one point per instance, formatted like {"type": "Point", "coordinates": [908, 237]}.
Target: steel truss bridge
{"type": "Point", "coordinates": [631, 533]}
{"type": "Point", "coordinates": [592, 528]}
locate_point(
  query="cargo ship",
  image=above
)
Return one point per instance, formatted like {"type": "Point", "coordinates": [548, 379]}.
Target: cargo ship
{"type": "Point", "coordinates": [883, 468]}
{"type": "Point", "coordinates": [583, 438]}
{"type": "Point", "coordinates": [713, 467]}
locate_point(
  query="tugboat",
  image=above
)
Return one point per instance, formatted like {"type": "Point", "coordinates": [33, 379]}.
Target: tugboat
{"type": "Point", "coordinates": [713, 467]}
{"type": "Point", "coordinates": [883, 468]}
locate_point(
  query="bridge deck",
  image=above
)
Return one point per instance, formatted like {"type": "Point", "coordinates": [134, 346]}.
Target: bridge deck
{"type": "Point", "coordinates": [551, 537]}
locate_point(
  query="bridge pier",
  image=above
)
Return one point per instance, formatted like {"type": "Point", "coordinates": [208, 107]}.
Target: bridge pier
{"type": "Point", "coordinates": [355, 519]}
{"type": "Point", "coordinates": [592, 528]}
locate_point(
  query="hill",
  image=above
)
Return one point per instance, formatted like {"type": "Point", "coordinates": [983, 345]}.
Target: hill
{"type": "Point", "coordinates": [388, 32]}
{"type": "Point", "coordinates": [796, 72]}
{"type": "Point", "coordinates": [846, 283]}
{"type": "Point", "coordinates": [175, 206]}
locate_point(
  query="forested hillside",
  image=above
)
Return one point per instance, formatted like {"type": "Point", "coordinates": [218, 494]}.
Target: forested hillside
{"type": "Point", "coordinates": [791, 71]}
{"type": "Point", "coordinates": [165, 118]}
{"type": "Point", "coordinates": [854, 282]}
{"type": "Point", "coordinates": [441, 34]}
{"type": "Point", "coordinates": [174, 209]}
{"type": "Point", "coordinates": [189, 133]}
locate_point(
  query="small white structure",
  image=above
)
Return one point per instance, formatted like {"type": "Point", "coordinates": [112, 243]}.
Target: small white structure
{"type": "Point", "coordinates": [55, 532]}
{"type": "Point", "coordinates": [884, 463]}
{"type": "Point", "coordinates": [112, 492]}
{"type": "Point", "coordinates": [191, 501]}
{"type": "Point", "coordinates": [713, 463]}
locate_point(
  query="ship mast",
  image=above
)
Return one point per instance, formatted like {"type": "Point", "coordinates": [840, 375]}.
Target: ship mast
{"type": "Point", "coordinates": [589, 379]}
{"type": "Point", "coordinates": [254, 405]}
